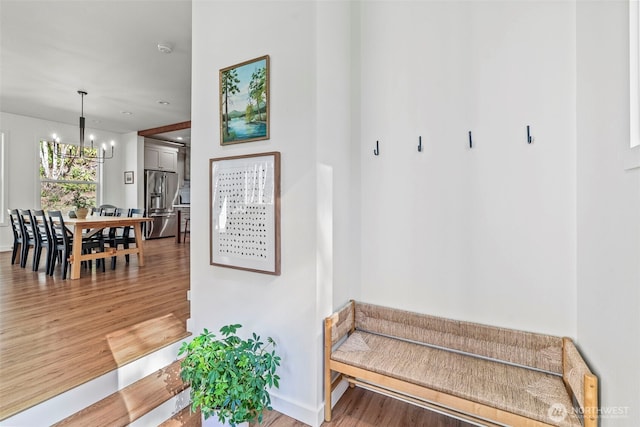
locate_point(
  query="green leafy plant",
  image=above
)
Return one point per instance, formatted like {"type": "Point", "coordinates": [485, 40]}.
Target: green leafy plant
{"type": "Point", "coordinates": [79, 200]}
{"type": "Point", "coordinates": [229, 376]}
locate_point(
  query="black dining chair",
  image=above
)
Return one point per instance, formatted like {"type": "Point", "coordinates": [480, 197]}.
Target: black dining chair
{"type": "Point", "coordinates": [187, 220]}
{"type": "Point", "coordinates": [43, 238]}
{"type": "Point", "coordinates": [62, 240]}
{"type": "Point", "coordinates": [28, 235]}
{"type": "Point", "coordinates": [124, 235]}
{"type": "Point", "coordinates": [17, 233]}
{"type": "Point", "coordinates": [137, 213]}
{"type": "Point", "coordinates": [113, 236]}
{"type": "Point", "coordinates": [130, 233]}
{"type": "Point", "coordinates": [92, 243]}
{"type": "Point", "coordinates": [107, 210]}
{"type": "Point", "coordinates": [98, 240]}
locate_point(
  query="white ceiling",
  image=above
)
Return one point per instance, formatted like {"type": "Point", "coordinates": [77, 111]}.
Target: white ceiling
{"type": "Point", "coordinates": [50, 49]}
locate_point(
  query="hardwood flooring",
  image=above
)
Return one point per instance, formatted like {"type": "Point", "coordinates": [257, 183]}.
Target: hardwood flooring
{"type": "Point", "coordinates": [363, 408]}
{"type": "Point", "coordinates": [57, 334]}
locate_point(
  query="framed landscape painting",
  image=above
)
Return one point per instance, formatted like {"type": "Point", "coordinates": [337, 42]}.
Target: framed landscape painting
{"type": "Point", "coordinates": [244, 101]}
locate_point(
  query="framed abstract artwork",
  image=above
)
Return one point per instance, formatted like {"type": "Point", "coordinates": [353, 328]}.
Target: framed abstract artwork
{"type": "Point", "coordinates": [244, 102]}
{"type": "Point", "coordinates": [244, 211]}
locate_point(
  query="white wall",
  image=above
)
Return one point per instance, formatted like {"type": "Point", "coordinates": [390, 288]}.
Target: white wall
{"type": "Point", "coordinates": [134, 161]}
{"type": "Point", "coordinates": [338, 158]}
{"type": "Point", "coordinates": [23, 135]}
{"type": "Point", "coordinates": [286, 307]}
{"type": "Point", "coordinates": [484, 234]}
{"type": "Point", "coordinates": [608, 219]}
{"type": "Point", "coordinates": [490, 234]}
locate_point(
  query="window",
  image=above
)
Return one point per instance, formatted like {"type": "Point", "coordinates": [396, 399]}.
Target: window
{"type": "Point", "coordinates": [64, 179]}
{"type": "Point", "coordinates": [4, 184]}
{"type": "Point", "coordinates": [632, 158]}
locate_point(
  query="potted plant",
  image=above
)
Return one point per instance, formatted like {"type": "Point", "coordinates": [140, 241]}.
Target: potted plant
{"type": "Point", "coordinates": [82, 204]}
{"type": "Point", "coordinates": [229, 376]}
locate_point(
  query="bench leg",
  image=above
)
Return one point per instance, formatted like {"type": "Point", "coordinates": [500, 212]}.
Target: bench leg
{"type": "Point", "coordinates": [327, 396]}
{"type": "Point", "coordinates": [327, 370]}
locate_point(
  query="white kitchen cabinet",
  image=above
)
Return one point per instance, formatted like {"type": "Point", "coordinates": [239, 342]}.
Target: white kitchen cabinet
{"type": "Point", "coordinates": [161, 158]}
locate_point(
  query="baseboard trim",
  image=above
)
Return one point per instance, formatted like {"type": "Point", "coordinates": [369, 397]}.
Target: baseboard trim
{"type": "Point", "coordinates": [314, 417]}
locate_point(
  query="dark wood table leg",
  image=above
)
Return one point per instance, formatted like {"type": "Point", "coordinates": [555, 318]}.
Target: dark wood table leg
{"type": "Point", "coordinates": [179, 222]}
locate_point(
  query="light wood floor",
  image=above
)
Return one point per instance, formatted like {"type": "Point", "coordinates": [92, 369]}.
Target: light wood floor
{"type": "Point", "coordinates": [363, 408]}
{"type": "Point", "coordinates": [57, 334]}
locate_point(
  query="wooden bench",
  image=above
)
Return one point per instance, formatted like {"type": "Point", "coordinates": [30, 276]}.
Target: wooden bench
{"type": "Point", "coordinates": [475, 372]}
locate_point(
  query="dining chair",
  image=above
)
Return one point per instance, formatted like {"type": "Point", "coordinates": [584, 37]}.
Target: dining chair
{"type": "Point", "coordinates": [28, 236]}
{"type": "Point", "coordinates": [130, 235]}
{"type": "Point", "coordinates": [94, 242]}
{"type": "Point", "coordinates": [17, 233]}
{"type": "Point", "coordinates": [62, 240]}
{"type": "Point", "coordinates": [98, 240]}
{"type": "Point", "coordinates": [111, 212]}
{"type": "Point", "coordinates": [137, 213]}
{"type": "Point", "coordinates": [186, 228]}
{"type": "Point", "coordinates": [126, 236]}
{"type": "Point", "coordinates": [107, 210]}
{"type": "Point", "coordinates": [114, 236]}
{"type": "Point", "coordinates": [43, 238]}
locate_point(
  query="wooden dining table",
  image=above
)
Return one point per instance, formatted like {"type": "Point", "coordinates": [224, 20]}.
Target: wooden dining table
{"type": "Point", "coordinates": [94, 225]}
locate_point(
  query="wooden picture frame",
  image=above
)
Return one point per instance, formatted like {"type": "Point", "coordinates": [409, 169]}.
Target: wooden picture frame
{"type": "Point", "coordinates": [244, 101]}
{"type": "Point", "coordinates": [244, 212]}
{"type": "Point", "coordinates": [128, 177]}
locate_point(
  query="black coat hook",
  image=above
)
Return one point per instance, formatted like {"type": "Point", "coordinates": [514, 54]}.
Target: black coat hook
{"type": "Point", "coordinates": [419, 144]}
{"type": "Point", "coordinates": [470, 140]}
{"type": "Point", "coordinates": [377, 150]}
{"type": "Point", "coordinates": [529, 137]}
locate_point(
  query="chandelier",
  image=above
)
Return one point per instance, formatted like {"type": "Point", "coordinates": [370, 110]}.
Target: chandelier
{"type": "Point", "coordinates": [86, 153]}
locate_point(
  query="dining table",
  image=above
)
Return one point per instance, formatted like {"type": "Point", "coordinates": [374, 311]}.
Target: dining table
{"type": "Point", "coordinates": [91, 225]}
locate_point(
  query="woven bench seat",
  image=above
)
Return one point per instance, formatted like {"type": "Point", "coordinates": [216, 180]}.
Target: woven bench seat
{"type": "Point", "coordinates": [474, 372]}
{"type": "Point", "coordinates": [511, 388]}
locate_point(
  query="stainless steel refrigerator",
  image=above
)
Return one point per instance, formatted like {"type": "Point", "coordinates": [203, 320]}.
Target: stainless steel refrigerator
{"type": "Point", "coordinates": [161, 192]}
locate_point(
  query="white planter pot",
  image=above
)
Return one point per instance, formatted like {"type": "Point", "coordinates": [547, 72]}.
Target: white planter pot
{"type": "Point", "coordinates": [212, 421]}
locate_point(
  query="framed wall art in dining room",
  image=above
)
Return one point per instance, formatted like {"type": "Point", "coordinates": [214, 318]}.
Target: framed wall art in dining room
{"type": "Point", "coordinates": [244, 101]}
{"type": "Point", "coordinates": [244, 212]}
{"type": "Point", "coordinates": [128, 177]}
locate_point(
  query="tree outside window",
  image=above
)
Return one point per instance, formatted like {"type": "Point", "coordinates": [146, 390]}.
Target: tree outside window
{"type": "Point", "coordinates": [63, 177]}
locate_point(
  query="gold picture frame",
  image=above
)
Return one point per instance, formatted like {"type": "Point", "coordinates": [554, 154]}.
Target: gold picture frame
{"type": "Point", "coordinates": [244, 102]}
